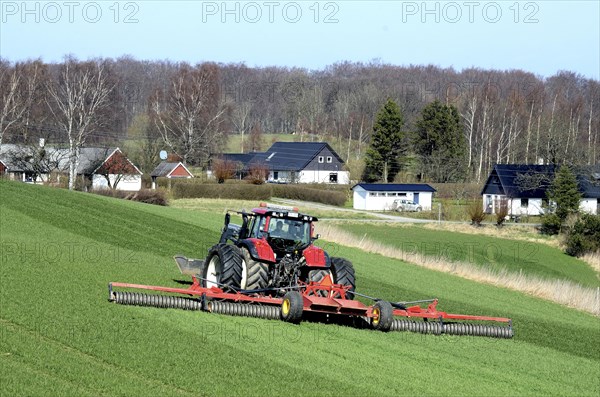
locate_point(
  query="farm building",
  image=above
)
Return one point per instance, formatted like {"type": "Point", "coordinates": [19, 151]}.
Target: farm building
{"type": "Point", "coordinates": [102, 168]}
{"type": "Point", "coordinates": [296, 162]}
{"type": "Point", "coordinates": [524, 188]}
{"type": "Point", "coordinates": [170, 171]}
{"type": "Point", "coordinates": [381, 196]}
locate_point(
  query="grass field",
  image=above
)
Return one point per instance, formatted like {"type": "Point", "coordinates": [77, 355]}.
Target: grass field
{"type": "Point", "coordinates": [60, 336]}
{"type": "Point", "coordinates": [220, 206]}
{"type": "Point", "coordinates": [483, 250]}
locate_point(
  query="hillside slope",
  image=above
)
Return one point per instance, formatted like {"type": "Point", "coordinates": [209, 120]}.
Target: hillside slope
{"type": "Point", "coordinates": [60, 336]}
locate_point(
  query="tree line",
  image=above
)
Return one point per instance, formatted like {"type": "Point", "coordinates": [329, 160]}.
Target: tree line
{"type": "Point", "coordinates": [493, 116]}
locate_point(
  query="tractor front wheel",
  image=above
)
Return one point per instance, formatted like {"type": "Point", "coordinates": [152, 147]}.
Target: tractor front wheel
{"type": "Point", "coordinates": [292, 307]}
{"type": "Point", "coordinates": [224, 267]}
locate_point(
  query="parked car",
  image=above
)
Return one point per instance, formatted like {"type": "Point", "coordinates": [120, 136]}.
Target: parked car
{"type": "Point", "coordinates": [406, 205]}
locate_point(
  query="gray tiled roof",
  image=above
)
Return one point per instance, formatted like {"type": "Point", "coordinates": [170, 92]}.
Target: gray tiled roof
{"type": "Point", "coordinates": [164, 168]}
{"type": "Point", "coordinates": [291, 156]}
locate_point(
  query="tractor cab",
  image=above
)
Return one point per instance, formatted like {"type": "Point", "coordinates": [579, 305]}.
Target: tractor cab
{"type": "Point", "coordinates": [283, 227]}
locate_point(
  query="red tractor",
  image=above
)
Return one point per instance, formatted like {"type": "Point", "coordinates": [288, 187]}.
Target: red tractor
{"type": "Point", "coordinates": [271, 251]}
{"type": "Point", "coordinates": [268, 267]}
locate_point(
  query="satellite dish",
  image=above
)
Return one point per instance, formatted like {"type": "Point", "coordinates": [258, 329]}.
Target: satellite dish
{"type": "Point", "coordinates": [163, 154]}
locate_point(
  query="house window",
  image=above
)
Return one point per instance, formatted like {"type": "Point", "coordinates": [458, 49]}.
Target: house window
{"type": "Point", "coordinates": [382, 194]}
{"type": "Point", "coordinates": [524, 203]}
{"type": "Point", "coordinates": [321, 159]}
{"type": "Point", "coordinates": [401, 194]}
{"type": "Point", "coordinates": [329, 159]}
{"type": "Point", "coordinates": [333, 178]}
{"type": "Point", "coordinates": [275, 175]}
{"type": "Point", "coordinates": [392, 194]}
{"type": "Point", "coordinates": [372, 194]}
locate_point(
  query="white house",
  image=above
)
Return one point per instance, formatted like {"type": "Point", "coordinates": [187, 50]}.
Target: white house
{"type": "Point", "coordinates": [30, 164]}
{"type": "Point", "coordinates": [301, 162]}
{"type": "Point", "coordinates": [100, 166]}
{"type": "Point", "coordinates": [523, 188]}
{"type": "Point", "coordinates": [381, 196]}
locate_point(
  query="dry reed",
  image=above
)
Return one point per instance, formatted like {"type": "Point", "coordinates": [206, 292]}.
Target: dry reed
{"type": "Point", "coordinates": [563, 292]}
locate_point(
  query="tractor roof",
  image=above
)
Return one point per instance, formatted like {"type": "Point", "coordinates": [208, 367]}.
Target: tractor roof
{"type": "Point", "coordinates": [280, 211]}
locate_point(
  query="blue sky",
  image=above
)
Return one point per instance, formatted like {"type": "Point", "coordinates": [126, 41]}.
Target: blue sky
{"type": "Point", "coordinates": [542, 37]}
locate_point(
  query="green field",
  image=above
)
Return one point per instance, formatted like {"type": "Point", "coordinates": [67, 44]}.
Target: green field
{"type": "Point", "coordinates": [493, 252]}
{"type": "Point", "coordinates": [60, 335]}
{"type": "Point", "coordinates": [220, 206]}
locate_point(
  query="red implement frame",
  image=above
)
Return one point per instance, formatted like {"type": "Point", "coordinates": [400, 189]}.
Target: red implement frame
{"type": "Point", "coordinates": [323, 297]}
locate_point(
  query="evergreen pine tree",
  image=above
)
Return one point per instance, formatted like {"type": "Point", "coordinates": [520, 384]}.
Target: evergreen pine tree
{"type": "Point", "coordinates": [565, 193]}
{"type": "Point", "coordinates": [385, 156]}
{"type": "Point", "coordinates": [439, 142]}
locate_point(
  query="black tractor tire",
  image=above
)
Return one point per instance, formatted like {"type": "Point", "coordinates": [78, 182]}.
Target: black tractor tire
{"type": "Point", "coordinates": [257, 273]}
{"type": "Point", "coordinates": [343, 273]}
{"type": "Point", "coordinates": [223, 267]}
{"type": "Point", "coordinates": [316, 276]}
{"type": "Point", "coordinates": [383, 316]}
{"type": "Point", "coordinates": [292, 307]}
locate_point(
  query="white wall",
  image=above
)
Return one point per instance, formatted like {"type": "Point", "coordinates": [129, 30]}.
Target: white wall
{"type": "Point", "coordinates": [383, 201]}
{"type": "Point", "coordinates": [310, 176]}
{"type": "Point", "coordinates": [535, 206]}
{"type": "Point", "coordinates": [130, 183]}
{"type": "Point", "coordinates": [589, 205]}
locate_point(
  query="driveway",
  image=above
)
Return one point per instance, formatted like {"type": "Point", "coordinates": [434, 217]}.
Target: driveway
{"type": "Point", "coordinates": [382, 217]}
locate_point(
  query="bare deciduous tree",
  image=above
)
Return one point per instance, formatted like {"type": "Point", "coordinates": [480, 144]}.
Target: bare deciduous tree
{"type": "Point", "coordinates": [18, 87]}
{"type": "Point", "coordinates": [116, 169]}
{"type": "Point", "coordinates": [190, 114]}
{"type": "Point", "coordinates": [76, 99]}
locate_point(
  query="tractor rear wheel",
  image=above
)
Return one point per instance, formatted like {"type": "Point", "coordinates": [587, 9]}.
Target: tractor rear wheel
{"type": "Point", "coordinates": [256, 273]}
{"type": "Point", "coordinates": [224, 267]}
{"type": "Point", "coordinates": [292, 307]}
{"type": "Point", "coordinates": [383, 316]}
{"type": "Point", "coordinates": [343, 273]}
{"type": "Point", "coordinates": [316, 276]}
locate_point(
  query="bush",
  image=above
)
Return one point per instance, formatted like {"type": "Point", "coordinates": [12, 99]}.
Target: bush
{"type": "Point", "coordinates": [476, 213]}
{"type": "Point", "coordinates": [299, 192]}
{"type": "Point", "coordinates": [223, 169]}
{"type": "Point", "coordinates": [551, 224]}
{"type": "Point", "coordinates": [240, 191]}
{"type": "Point", "coordinates": [249, 191]}
{"type": "Point", "coordinates": [148, 196]}
{"type": "Point", "coordinates": [258, 174]}
{"type": "Point", "coordinates": [501, 212]}
{"type": "Point", "coordinates": [584, 236]}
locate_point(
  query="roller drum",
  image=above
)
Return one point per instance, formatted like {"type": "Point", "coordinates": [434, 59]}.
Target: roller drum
{"type": "Point", "coordinates": [154, 300]}
{"type": "Point", "coordinates": [437, 328]}
{"type": "Point", "coordinates": [245, 310]}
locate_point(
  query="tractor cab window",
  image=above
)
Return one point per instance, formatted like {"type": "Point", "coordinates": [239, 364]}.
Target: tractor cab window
{"type": "Point", "coordinates": [257, 225]}
{"type": "Point", "coordinates": [299, 231]}
{"type": "Point", "coordinates": [276, 229]}
{"type": "Point", "coordinates": [289, 229]}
